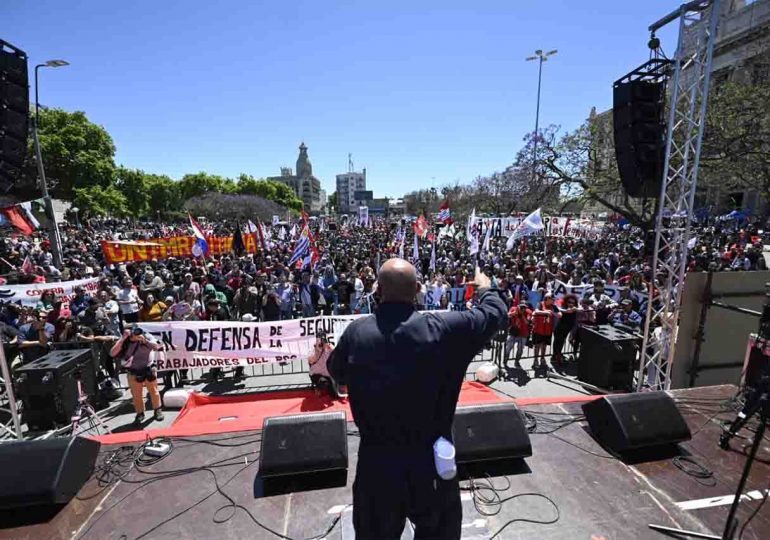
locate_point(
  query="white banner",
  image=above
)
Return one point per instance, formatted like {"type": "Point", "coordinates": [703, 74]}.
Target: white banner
{"type": "Point", "coordinates": [30, 293]}
{"type": "Point", "coordinates": [554, 226]}
{"type": "Point", "coordinates": [208, 344]}
{"type": "Point", "coordinates": [613, 291]}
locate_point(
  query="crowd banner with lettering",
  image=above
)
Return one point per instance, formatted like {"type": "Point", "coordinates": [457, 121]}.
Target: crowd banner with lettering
{"type": "Point", "coordinates": [554, 226]}
{"type": "Point", "coordinates": [30, 293]}
{"type": "Point", "coordinates": [209, 344]}
{"type": "Point", "coordinates": [174, 246]}
{"type": "Point", "coordinates": [204, 344]}
{"type": "Point", "coordinates": [615, 292]}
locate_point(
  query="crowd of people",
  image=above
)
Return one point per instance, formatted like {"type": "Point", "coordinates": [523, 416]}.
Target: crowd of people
{"type": "Point", "coordinates": [263, 287]}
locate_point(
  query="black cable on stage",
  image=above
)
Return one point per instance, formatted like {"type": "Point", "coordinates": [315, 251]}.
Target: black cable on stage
{"type": "Point", "coordinates": [485, 494]}
{"type": "Point", "coordinates": [690, 467]}
{"type": "Point", "coordinates": [586, 450]}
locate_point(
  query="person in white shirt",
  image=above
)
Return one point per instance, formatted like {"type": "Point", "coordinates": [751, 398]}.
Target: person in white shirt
{"type": "Point", "coordinates": [358, 286]}
{"type": "Point", "coordinates": [128, 300]}
{"type": "Point", "coordinates": [111, 311]}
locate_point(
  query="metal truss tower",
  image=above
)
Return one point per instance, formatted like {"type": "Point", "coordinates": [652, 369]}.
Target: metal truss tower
{"type": "Point", "coordinates": [686, 122]}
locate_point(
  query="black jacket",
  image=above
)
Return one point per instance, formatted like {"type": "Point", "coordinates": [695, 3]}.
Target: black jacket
{"type": "Point", "coordinates": [404, 369]}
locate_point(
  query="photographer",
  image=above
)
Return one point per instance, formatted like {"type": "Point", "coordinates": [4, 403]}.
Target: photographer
{"type": "Point", "coordinates": [135, 353]}
{"type": "Point", "coordinates": [319, 372]}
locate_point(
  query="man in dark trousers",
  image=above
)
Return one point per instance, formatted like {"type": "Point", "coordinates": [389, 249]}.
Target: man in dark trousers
{"type": "Point", "coordinates": [404, 370]}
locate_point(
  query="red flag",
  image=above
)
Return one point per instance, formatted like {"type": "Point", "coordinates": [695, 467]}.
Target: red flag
{"type": "Point", "coordinates": [17, 219]}
{"type": "Point", "coordinates": [421, 226]}
{"type": "Point", "coordinates": [27, 267]}
{"type": "Point", "coordinates": [431, 237]}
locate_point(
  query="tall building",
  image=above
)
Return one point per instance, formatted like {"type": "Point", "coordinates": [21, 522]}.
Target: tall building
{"type": "Point", "coordinates": [305, 185]}
{"type": "Point", "coordinates": [347, 185]}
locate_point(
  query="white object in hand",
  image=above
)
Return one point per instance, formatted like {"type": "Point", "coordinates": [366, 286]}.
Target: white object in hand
{"type": "Point", "coordinates": [444, 457]}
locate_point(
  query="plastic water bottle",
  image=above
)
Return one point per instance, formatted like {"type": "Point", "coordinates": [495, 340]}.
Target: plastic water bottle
{"type": "Point", "coordinates": [444, 457]}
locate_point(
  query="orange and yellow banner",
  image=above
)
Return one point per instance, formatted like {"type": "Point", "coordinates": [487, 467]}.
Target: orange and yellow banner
{"type": "Point", "coordinates": [164, 247]}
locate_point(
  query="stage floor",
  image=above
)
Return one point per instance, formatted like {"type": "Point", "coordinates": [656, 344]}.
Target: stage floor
{"type": "Point", "coordinates": [598, 497]}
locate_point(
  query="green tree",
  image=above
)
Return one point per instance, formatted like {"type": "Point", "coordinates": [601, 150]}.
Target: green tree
{"type": "Point", "coordinates": [332, 201]}
{"type": "Point", "coordinates": [100, 201]}
{"type": "Point", "coordinates": [76, 152]}
{"type": "Point", "coordinates": [199, 183]}
{"type": "Point", "coordinates": [133, 184]}
{"type": "Point", "coordinates": [165, 195]}
{"type": "Point", "coordinates": [736, 144]}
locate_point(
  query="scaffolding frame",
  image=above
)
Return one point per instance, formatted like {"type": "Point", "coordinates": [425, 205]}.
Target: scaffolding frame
{"type": "Point", "coordinates": [686, 123]}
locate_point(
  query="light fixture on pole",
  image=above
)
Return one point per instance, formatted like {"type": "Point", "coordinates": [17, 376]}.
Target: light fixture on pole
{"type": "Point", "coordinates": [54, 236]}
{"type": "Point", "coordinates": [541, 57]}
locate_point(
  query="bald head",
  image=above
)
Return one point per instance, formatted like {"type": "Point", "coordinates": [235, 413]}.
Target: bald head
{"type": "Point", "coordinates": [397, 281]}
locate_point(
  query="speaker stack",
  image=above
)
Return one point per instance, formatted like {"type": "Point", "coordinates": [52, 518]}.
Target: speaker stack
{"type": "Point", "coordinates": [48, 387]}
{"type": "Point", "coordinates": [639, 134]}
{"type": "Point", "coordinates": [45, 472]}
{"type": "Point", "coordinates": [14, 114]}
{"type": "Point", "coordinates": [607, 357]}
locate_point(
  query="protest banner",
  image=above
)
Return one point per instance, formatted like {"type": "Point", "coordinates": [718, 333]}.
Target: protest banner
{"type": "Point", "coordinates": [204, 344]}
{"type": "Point", "coordinates": [173, 246]}
{"type": "Point", "coordinates": [29, 294]}
{"type": "Point", "coordinates": [554, 226]}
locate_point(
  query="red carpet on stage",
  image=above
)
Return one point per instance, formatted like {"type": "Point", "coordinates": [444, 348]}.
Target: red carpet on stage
{"type": "Point", "coordinates": [203, 414]}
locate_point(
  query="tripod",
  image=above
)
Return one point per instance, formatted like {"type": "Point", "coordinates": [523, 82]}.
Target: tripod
{"type": "Point", "coordinates": [757, 402]}
{"type": "Point", "coordinates": [85, 413]}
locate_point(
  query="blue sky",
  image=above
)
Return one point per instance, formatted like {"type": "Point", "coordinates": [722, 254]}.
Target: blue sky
{"type": "Point", "coordinates": [420, 92]}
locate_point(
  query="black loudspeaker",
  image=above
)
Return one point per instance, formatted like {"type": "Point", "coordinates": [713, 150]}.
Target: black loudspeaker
{"type": "Point", "coordinates": [490, 432]}
{"type": "Point", "coordinates": [639, 133]}
{"type": "Point", "coordinates": [629, 422]}
{"type": "Point", "coordinates": [45, 472]}
{"type": "Point", "coordinates": [303, 443]}
{"type": "Point", "coordinates": [48, 387]}
{"type": "Point", "coordinates": [607, 357]}
{"type": "Point", "coordinates": [14, 113]}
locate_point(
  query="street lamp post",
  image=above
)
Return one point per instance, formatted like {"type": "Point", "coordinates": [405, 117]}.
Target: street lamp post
{"type": "Point", "coordinates": [541, 57]}
{"type": "Point", "coordinates": [54, 235]}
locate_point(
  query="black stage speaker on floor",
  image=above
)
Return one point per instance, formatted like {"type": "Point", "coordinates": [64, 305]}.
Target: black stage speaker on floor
{"type": "Point", "coordinates": [14, 114]}
{"type": "Point", "coordinates": [625, 423]}
{"type": "Point", "coordinates": [45, 472]}
{"type": "Point", "coordinates": [490, 432]}
{"type": "Point", "coordinates": [303, 443]}
{"type": "Point", "coordinates": [48, 387]}
{"type": "Point", "coordinates": [639, 129]}
{"type": "Point", "coordinates": [607, 357]}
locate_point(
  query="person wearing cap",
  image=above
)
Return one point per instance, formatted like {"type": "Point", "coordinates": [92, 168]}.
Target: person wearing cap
{"type": "Point", "coordinates": [602, 303]}
{"type": "Point", "coordinates": [79, 302]}
{"type": "Point", "coordinates": [215, 311]}
{"type": "Point", "coordinates": [190, 285]}
{"type": "Point", "coordinates": [246, 300]}
{"type": "Point", "coordinates": [626, 317]}
{"type": "Point", "coordinates": [136, 354]}
{"type": "Point", "coordinates": [319, 371]}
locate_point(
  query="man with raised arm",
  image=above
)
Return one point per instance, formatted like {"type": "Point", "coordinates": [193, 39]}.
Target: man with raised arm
{"type": "Point", "coordinates": [404, 370]}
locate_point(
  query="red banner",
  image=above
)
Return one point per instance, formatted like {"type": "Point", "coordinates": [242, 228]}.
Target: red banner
{"type": "Point", "coordinates": [174, 246]}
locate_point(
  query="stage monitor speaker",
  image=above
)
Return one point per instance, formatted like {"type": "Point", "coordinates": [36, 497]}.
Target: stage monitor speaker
{"type": "Point", "coordinates": [607, 357]}
{"type": "Point", "coordinates": [45, 472]}
{"type": "Point", "coordinates": [14, 113]}
{"type": "Point", "coordinates": [490, 432]}
{"type": "Point", "coordinates": [624, 423]}
{"type": "Point", "coordinates": [303, 443]}
{"type": "Point", "coordinates": [639, 134]}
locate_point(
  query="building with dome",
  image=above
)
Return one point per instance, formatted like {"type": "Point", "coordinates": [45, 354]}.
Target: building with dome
{"type": "Point", "coordinates": [305, 185]}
